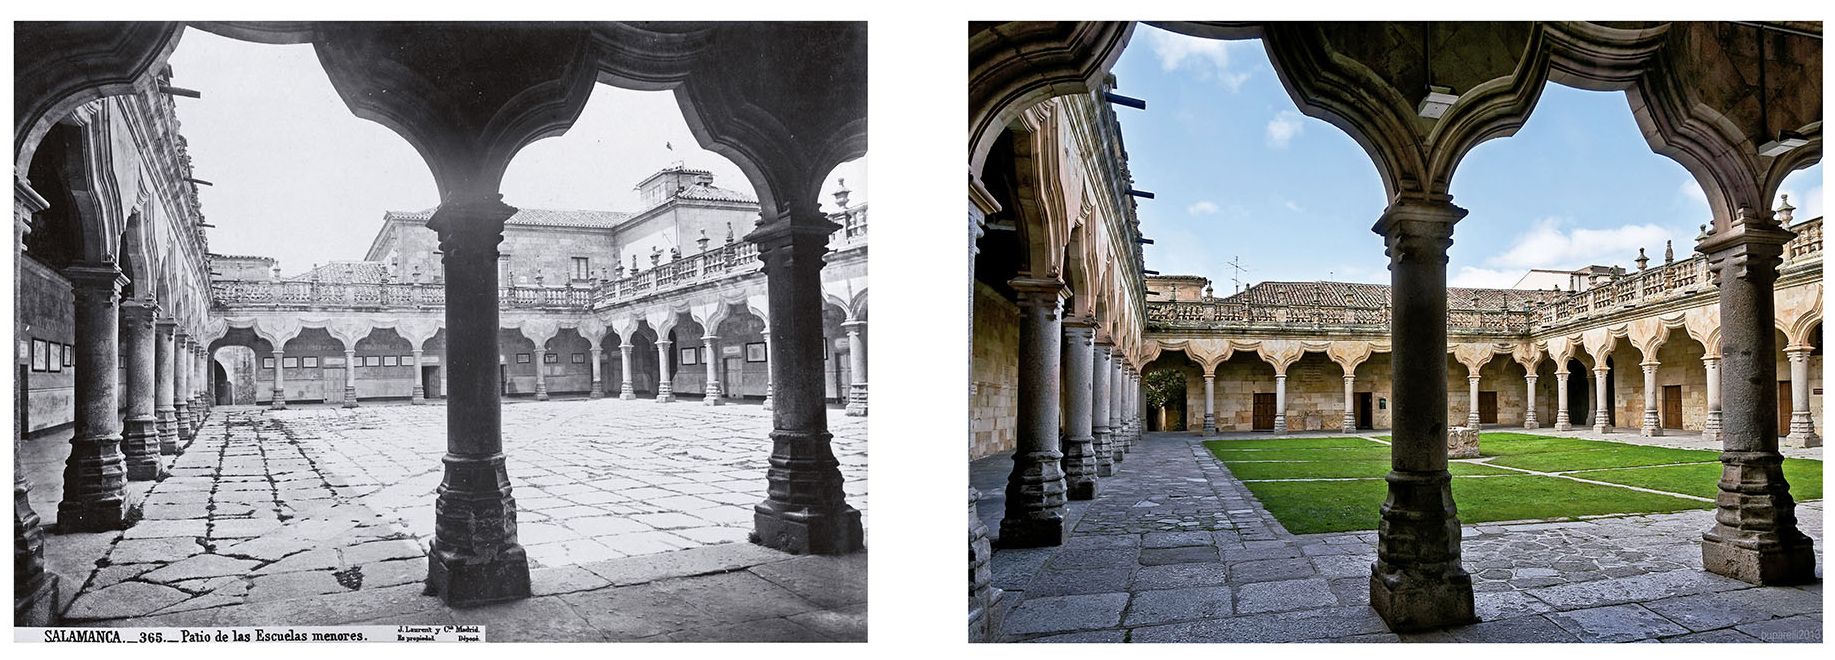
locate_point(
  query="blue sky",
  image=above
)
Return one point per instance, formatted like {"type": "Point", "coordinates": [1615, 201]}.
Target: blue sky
{"type": "Point", "coordinates": [1240, 173]}
{"type": "Point", "coordinates": [298, 178]}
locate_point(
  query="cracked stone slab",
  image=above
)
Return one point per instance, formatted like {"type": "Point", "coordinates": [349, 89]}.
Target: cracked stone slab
{"type": "Point", "coordinates": [126, 599]}
{"type": "Point", "coordinates": [201, 566]}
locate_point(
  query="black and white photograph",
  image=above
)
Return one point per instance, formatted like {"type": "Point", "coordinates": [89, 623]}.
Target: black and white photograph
{"type": "Point", "coordinates": [317, 280]}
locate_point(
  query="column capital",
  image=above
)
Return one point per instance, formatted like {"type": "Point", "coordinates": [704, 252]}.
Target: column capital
{"type": "Point", "coordinates": [805, 221]}
{"type": "Point", "coordinates": [1418, 227]}
{"type": "Point", "coordinates": [664, 343]}
{"type": "Point", "coordinates": [1650, 365]}
{"type": "Point", "coordinates": [1752, 244]}
{"type": "Point", "coordinates": [1532, 377]}
{"type": "Point", "coordinates": [471, 224]}
{"type": "Point", "coordinates": [1710, 360]}
{"type": "Point", "coordinates": [101, 275]}
{"type": "Point", "coordinates": [141, 311]}
{"type": "Point", "coordinates": [1601, 370]}
{"type": "Point", "coordinates": [1798, 353]}
{"type": "Point", "coordinates": [714, 338]}
{"type": "Point", "coordinates": [1039, 292]}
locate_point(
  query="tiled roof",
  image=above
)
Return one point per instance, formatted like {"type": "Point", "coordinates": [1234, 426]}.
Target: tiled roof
{"type": "Point", "coordinates": [345, 272]}
{"type": "Point", "coordinates": [1377, 295]}
{"type": "Point", "coordinates": [539, 218]}
{"type": "Point", "coordinates": [214, 255]}
{"type": "Point", "coordinates": [711, 193]}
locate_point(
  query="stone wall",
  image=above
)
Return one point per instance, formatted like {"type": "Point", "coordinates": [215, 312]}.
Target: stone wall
{"type": "Point", "coordinates": [46, 313]}
{"type": "Point", "coordinates": [993, 409]}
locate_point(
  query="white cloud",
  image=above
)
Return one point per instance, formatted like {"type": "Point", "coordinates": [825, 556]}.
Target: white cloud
{"type": "Point", "coordinates": [1209, 59]}
{"type": "Point", "coordinates": [1692, 191]}
{"type": "Point", "coordinates": [1484, 278]}
{"type": "Point", "coordinates": [1551, 245]}
{"type": "Point", "coordinates": [1283, 128]}
{"type": "Point", "coordinates": [1294, 206]}
{"type": "Point", "coordinates": [1201, 208]}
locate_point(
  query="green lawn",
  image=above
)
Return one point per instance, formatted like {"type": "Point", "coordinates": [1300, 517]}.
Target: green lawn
{"type": "Point", "coordinates": [1310, 507]}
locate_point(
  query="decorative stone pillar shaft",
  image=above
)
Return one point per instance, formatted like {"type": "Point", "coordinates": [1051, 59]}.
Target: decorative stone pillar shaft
{"type": "Point", "coordinates": [1652, 425]}
{"type": "Point", "coordinates": [625, 391]}
{"type": "Point", "coordinates": [419, 395]}
{"type": "Point", "coordinates": [1802, 427]}
{"type": "Point", "coordinates": [598, 391]}
{"type": "Point", "coordinates": [1280, 403]}
{"type": "Point", "coordinates": [1755, 536]}
{"type": "Point", "coordinates": [280, 381]}
{"type": "Point", "coordinates": [1417, 582]}
{"type": "Point", "coordinates": [200, 404]}
{"type": "Point", "coordinates": [665, 378]}
{"type": "Point", "coordinates": [1602, 404]}
{"type": "Point", "coordinates": [1529, 408]}
{"type": "Point", "coordinates": [95, 475]}
{"type": "Point", "coordinates": [1130, 405]}
{"type": "Point", "coordinates": [181, 384]}
{"type": "Point", "coordinates": [541, 373]}
{"type": "Point", "coordinates": [1079, 440]}
{"type": "Point", "coordinates": [1210, 402]}
{"type": "Point", "coordinates": [1562, 422]}
{"type": "Point", "coordinates": [768, 404]}
{"type": "Point", "coordinates": [1036, 487]}
{"type": "Point", "coordinates": [1102, 375]}
{"type": "Point", "coordinates": [1472, 420]}
{"type": "Point", "coordinates": [475, 557]}
{"type": "Point", "coordinates": [857, 368]}
{"type": "Point", "coordinates": [350, 377]}
{"type": "Point", "coordinates": [1350, 403]}
{"type": "Point", "coordinates": [805, 509]}
{"type": "Point", "coordinates": [140, 431]}
{"type": "Point", "coordinates": [164, 382]}
{"type": "Point", "coordinates": [1710, 429]}
{"type": "Point", "coordinates": [710, 392]}
{"type": "Point", "coordinates": [1118, 407]}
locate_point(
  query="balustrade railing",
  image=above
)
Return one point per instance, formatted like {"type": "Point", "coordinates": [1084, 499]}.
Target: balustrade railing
{"type": "Point", "coordinates": [1656, 285]}
{"type": "Point", "coordinates": [731, 259]}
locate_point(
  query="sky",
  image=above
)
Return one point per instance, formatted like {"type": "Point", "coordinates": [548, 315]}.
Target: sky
{"type": "Point", "coordinates": [1239, 174]}
{"type": "Point", "coordinates": [296, 177]}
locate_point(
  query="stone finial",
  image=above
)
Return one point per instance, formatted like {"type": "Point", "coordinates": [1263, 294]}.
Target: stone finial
{"type": "Point", "coordinates": [633, 264]}
{"type": "Point", "coordinates": [729, 233]}
{"type": "Point", "coordinates": [1786, 212]}
{"type": "Point", "coordinates": [1669, 251]}
{"type": "Point", "coordinates": [1706, 231]}
{"type": "Point", "coordinates": [841, 193]}
{"type": "Point", "coordinates": [540, 278]}
{"type": "Point", "coordinates": [1643, 262]}
{"type": "Point", "coordinates": [656, 255]}
{"type": "Point", "coordinates": [703, 240]}
{"type": "Point", "coordinates": [675, 253]}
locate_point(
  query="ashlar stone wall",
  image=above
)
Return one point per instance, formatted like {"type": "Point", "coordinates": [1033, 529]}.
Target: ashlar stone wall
{"type": "Point", "coordinates": [994, 410]}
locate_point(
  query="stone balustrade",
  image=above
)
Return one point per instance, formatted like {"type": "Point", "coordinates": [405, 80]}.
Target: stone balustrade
{"type": "Point", "coordinates": [735, 259]}
{"type": "Point", "coordinates": [1650, 287]}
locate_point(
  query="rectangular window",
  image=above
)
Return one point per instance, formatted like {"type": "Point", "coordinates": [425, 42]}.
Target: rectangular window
{"type": "Point", "coordinates": [309, 363]}
{"type": "Point", "coordinates": [267, 363]}
{"type": "Point", "coordinates": [372, 361]}
{"type": "Point", "coordinates": [551, 358]}
{"type": "Point", "coordinates": [522, 358]}
{"type": "Point", "coordinates": [755, 352]}
{"type": "Point", "coordinates": [407, 360]}
{"type": "Point", "coordinates": [503, 270]}
{"type": "Point", "coordinates": [582, 268]}
{"type": "Point", "coordinates": [390, 361]}
{"type": "Point", "coordinates": [56, 359]}
{"type": "Point", "coordinates": [293, 363]}
{"type": "Point", "coordinates": [688, 356]}
{"type": "Point", "coordinates": [40, 355]}
{"type": "Point", "coordinates": [579, 358]}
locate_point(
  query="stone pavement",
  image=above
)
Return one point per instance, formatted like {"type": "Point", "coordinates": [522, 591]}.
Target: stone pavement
{"type": "Point", "coordinates": [634, 516]}
{"type": "Point", "coordinates": [1174, 549]}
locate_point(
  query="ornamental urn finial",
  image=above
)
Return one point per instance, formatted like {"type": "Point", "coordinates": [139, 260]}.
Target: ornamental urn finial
{"type": "Point", "coordinates": [1643, 262]}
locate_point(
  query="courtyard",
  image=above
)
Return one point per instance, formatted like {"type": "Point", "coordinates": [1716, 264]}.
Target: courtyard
{"type": "Point", "coordinates": [1181, 546]}
{"type": "Point", "coordinates": [634, 516]}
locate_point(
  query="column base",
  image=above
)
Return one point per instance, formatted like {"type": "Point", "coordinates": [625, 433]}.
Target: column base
{"type": "Point", "coordinates": [712, 396]}
{"type": "Point", "coordinates": [1651, 426]}
{"type": "Point", "coordinates": [806, 530]}
{"type": "Point", "coordinates": [857, 400]}
{"type": "Point", "coordinates": [1035, 501]}
{"type": "Point", "coordinates": [463, 583]}
{"type": "Point", "coordinates": [279, 402]}
{"type": "Point", "coordinates": [35, 605]}
{"type": "Point", "coordinates": [1280, 424]}
{"type": "Point", "coordinates": [665, 395]}
{"type": "Point", "coordinates": [768, 404]}
{"type": "Point", "coordinates": [1602, 428]}
{"type": "Point", "coordinates": [1755, 537]}
{"type": "Point", "coordinates": [181, 420]}
{"type": "Point", "coordinates": [626, 393]}
{"type": "Point", "coordinates": [1032, 532]}
{"type": "Point", "coordinates": [1803, 430]}
{"type": "Point", "coordinates": [1774, 563]}
{"type": "Point", "coordinates": [541, 395]}
{"type": "Point", "coordinates": [1409, 603]}
{"type": "Point", "coordinates": [598, 391]}
{"type": "Point", "coordinates": [105, 515]}
{"type": "Point", "coordinates": [1417, 582]}
{"type": "Point", "coordinates": [140, 446]}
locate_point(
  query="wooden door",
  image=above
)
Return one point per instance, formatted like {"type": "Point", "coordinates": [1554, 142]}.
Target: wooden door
{"type": "Point", "coordinates": [430, 382]}
{"type": "Point", "coordinates": [1366, 414]}
{"type": "Point", "coordinates": [734, 379]}
{"type": "Point", "coordinates": [1783, 408]}
{"type": "Point", "coordinates": [1672, 407]}
{"type": "Point", "coordinates": [1487, 407]}
{"type": "Point", "coordinates": [1263, 412]}
{"type": "Point", "coordinates": [333, 381]}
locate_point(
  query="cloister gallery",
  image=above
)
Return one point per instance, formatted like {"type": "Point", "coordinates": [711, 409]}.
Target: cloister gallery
{"type": "Point", "coordinates": [1067, 318]}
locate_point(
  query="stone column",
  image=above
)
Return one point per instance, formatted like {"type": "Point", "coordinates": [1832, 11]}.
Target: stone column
{"type": "Point", "coordinates": [805, 510]}
{"type": "Point", "coordinates": [165, 382]}
{"type": "Point", "coordinates": [350, 377]}
{"type": "Point", "coordinates": [1118, 407]}
{"type": "Point", "coordinates": [1079, 440]}
{"type": "Point", "coordinates": [181, 384]}
{"type": "Point", "coordinates": [598, 391]}
{"type": "Point", "coordinates": [95, 475]}
{"type": "Point", "coordinates": [1350, 403]}
{"type": "Point", "coordinates": [1471, 413]}
{"type": "Point", "coordinates": [1036, 487]}
{"type": "Point", "coordinates": [1210, 401]}
{"type": "Point", "coordinates": [1601, 402]}
{"type": "Point", "coordinates": [140, 432]}
{"type": "Point", "coordinates": [1137, 401]}
{"type": "Point", "coordinates": [419, 395]}
{"type": "Point", "coordinates": [1562, 422]}
{"type": "Point", "coordinates": [1802, 428]}
{"type": "Point", "coordinates": [541, 373]}
{"type": "Point", "coordinates": [625, 391]}
{"type": "Point", "coordinates": [711, 392]}
{"type": "Point", "coordinates": [200, 404]}
{"type": "Point", "coordinates": [475, 557]}
{"type": "Point", "coordinates": [280, 381]}
{"type": "Point", "coordinates": [1529, 408]}
{"type": "Point", "coordinates": [1710, 429]}
{"type": "Point", "coordinates": [1280, 402]}
{"type": "Point", "coordinates": [1130, 407]}
{"type": "Point", "coordinates": [1755, 536]}
{"type": "Point", "coordinates": [857, 369]}
{"type": "Point", "coordinates": [1417, 582]}
{"type": "Point", "coordinates": [1652, 424]}
{"type": "Point", "coordinates": [1101, 404]}
{"type": "Point", "coordinates": [665, 381]}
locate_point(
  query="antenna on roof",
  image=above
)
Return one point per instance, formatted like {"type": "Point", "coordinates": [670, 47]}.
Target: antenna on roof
{"type": "Point", "coordinates": [1235, 265]}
